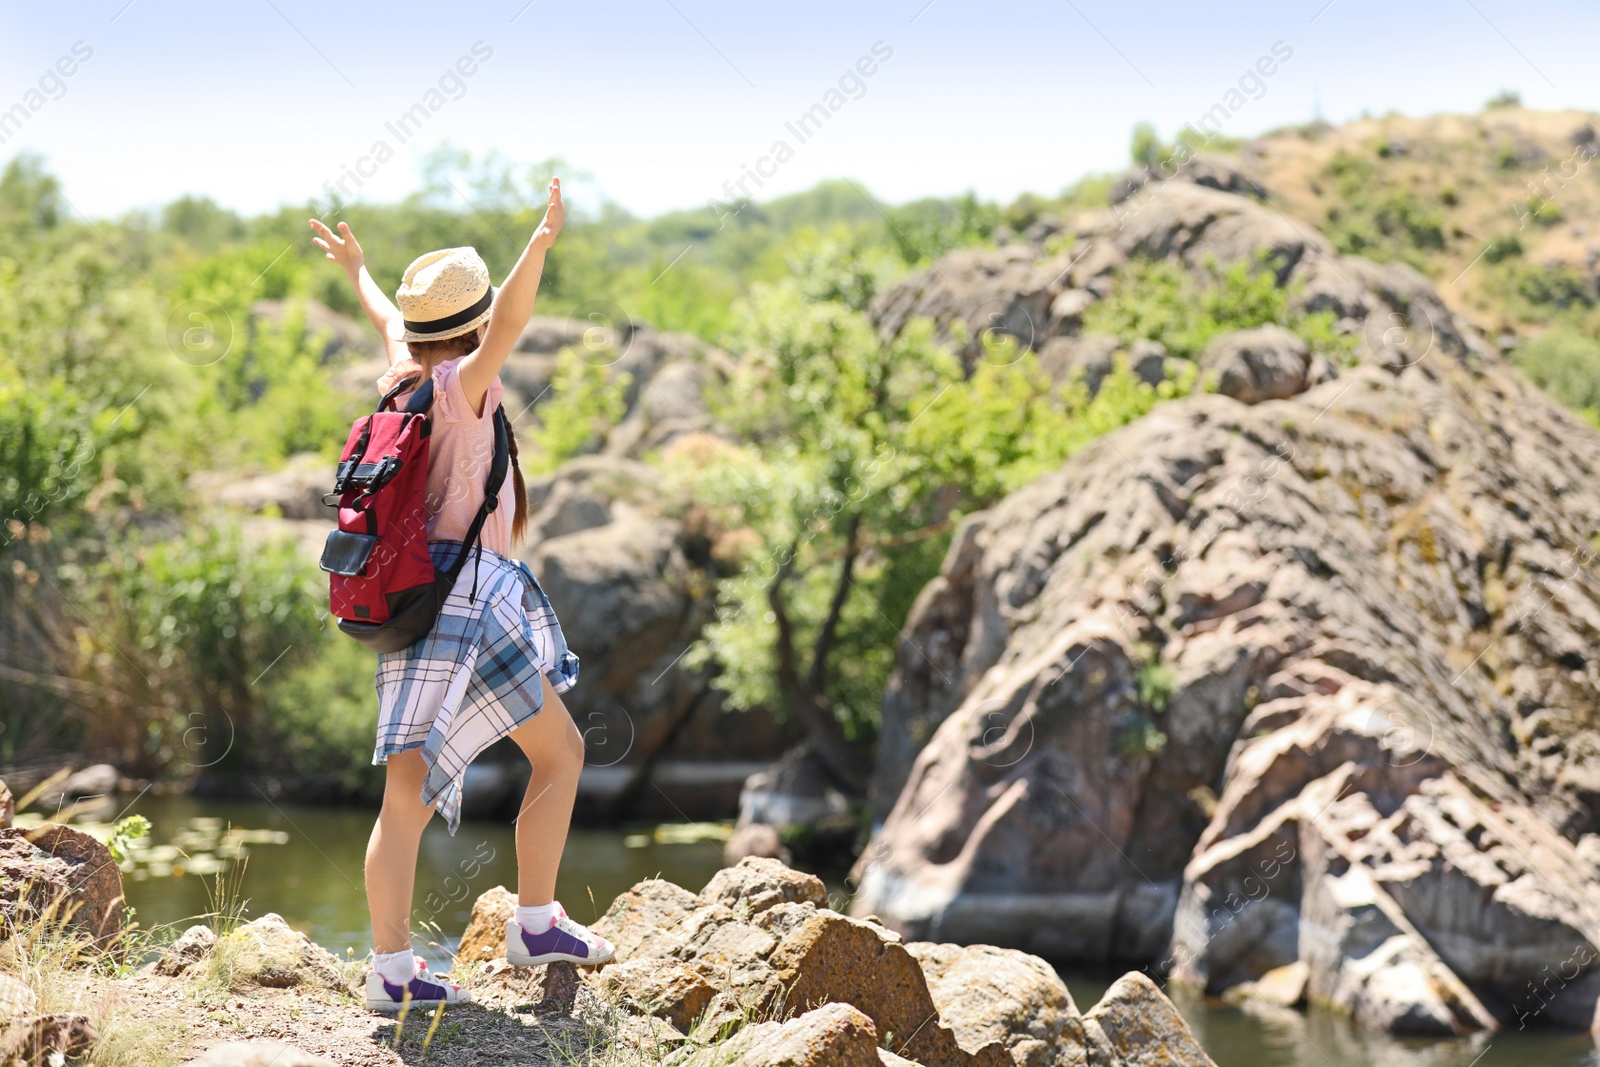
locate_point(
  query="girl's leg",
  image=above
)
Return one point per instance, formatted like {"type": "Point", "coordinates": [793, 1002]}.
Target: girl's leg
{"type": "Point", "coordinates": [392, 852]}
{"type": "Point", "coordinates": [555, 749]}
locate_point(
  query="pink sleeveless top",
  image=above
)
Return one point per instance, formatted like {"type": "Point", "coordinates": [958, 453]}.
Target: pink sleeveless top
{"type": "Point", "coordinates": [460, 451]}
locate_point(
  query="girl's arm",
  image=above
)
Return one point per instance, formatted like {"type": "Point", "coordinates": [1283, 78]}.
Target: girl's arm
{"type": "Point", "coordinates": [346, 252]}
{"type": "Point", "coordinates": [513, 305]}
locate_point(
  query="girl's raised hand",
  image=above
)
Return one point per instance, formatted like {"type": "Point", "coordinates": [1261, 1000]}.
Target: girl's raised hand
{"type": "Point", "coordinates": [554, 216]}
{"type": "Point", "coordinates": [342, 247]}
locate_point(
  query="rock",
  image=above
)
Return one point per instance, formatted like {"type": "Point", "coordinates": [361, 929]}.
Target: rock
{"type": "Point", "coordinates": [1207, 228]}
{"type": "Point", "coordinates": [1142, 1028]}
{"type": "Point", "coordinates": [1224, 173]}
{"type": "Point", "coordinates": [258, 1054]}
{"type": "Point", "coordinates": [1148, 361]}
{"type": "Point", "coordinates": [975, 293]}
{"type": "Point", "coordinates": [1156, 708]}
{"type": "Point", "coordinates": [794, 791]}
{"type": "Point", "coordinates": [16, 998]}
{"type": "Point", "coordinates": [560, 989]}
{"type": "Point", "coordinates": [1067, 308]}
{"type": "Point", "coordinates": [191, 948]}
{"type": "Point", "coordinates": [294, 491]}
{"type": "Point", "coordinates": [485, 935]}
{"type": "Point", "coordinates": [835, 1035]}
{"type": "Point", "coordinates": [341, 338]}
{"type": "Point", "coordinates": [669, 989]}
{"type": "Point", "coordinates": [47, 1039]}
{"type": "Point", "coordinates": [63, 873]}
{"type": "Point", "coordinates": [829, 958]}
{"type": "Point", "coordinates": [1284, 986]}
{"type": "Point", "coordinates": [756, 884]}
{"type": "Point", "coordinates": [648, 920]}
{"type": "Point", "coordinates": [568, 508]}
{"type": "Point", "coordinates": [1091, 358]}
{"type": "Point", "coordinates": [755, 839]}
{"type": "Point", "coordinates": [268, 952]}
{"type": "Point", "coordinates": [99, 780]}
{"type": "Point", "coordinates": [1266, 363]}
{"type": "Point", "coordinates": [756, 942]}
{"type": "Point", "coordinates": [987, 994]}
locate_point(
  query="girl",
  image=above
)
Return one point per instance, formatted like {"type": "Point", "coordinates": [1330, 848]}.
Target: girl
{"type": "Point", "coordinates": [495, 662]}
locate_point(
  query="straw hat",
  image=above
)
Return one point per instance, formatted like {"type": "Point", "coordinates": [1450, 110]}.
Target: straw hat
{"type": "Point", "coordinates": [443, 294]}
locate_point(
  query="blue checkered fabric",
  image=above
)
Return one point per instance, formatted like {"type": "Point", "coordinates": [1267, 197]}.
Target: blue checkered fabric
{"type": "Point", "coordinates": [475, 677]}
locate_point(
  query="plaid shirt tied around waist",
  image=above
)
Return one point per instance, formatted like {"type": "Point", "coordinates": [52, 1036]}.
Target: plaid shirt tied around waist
{"type": "Point", "coordinates": [475, 677]}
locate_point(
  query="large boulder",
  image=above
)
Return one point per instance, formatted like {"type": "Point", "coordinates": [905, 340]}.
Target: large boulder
{"type": "Point", "coordinates": [59, 874]}
{"type": "Point", "coordinates": [1313, 678]}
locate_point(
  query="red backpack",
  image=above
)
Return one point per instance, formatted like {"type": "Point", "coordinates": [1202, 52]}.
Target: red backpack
{"type": "Point", "coordinates": [383, 586]}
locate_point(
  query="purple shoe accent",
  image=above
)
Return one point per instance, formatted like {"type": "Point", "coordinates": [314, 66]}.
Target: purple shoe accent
{"type": "Point", "coordinates": [422, 992]}
{"type": "Point", "coordinates": [553, 940]}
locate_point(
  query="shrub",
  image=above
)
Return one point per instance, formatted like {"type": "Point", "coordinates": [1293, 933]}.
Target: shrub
{"type": "Point", "coordinates": [179, 635]}
{"type": "Point", "coordinates": [1566, 364]}
{"type": "Point", "coordinates": [1161, 301]}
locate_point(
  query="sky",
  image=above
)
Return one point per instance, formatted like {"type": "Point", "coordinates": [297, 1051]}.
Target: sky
{"type": "Point", "coordinates": [667, 104]}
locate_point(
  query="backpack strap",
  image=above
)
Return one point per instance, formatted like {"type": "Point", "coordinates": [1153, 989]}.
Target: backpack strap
{"type": "Point", "coordinates": [401, 386]}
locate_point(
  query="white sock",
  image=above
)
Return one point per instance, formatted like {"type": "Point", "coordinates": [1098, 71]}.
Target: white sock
{"type": "Point", "coordinates": [536, 918]}
{"type": "Point", "coordinates": [396, 967]}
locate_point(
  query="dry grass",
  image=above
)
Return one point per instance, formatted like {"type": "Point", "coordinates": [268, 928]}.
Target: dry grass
{"type": "Point", "coordinates": [68, 972]}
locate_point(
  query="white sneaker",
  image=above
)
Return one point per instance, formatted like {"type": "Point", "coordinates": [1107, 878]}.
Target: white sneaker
{"type": "Point", "coordinates": [564, 941]}
{"type": "Point", "coordinates": [423, 991]}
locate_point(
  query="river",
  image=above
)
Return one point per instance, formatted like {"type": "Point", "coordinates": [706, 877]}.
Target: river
{"type": "Point", "coordinates": [305, 864]}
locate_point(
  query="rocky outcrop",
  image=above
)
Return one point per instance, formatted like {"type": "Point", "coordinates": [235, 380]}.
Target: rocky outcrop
{"type": "Point", "coordinates": [1038, 300]}
{"type": "Point", "coordinates": [1297, 688]}
{"type": "Point", "coordinates": [193, 946]}
{"type": "Point", "coordinates": [1307, 681]}
{"type": "Point", "coordinates": [57, 873]}
{"type": "Point", "coordinates": [756, 969]}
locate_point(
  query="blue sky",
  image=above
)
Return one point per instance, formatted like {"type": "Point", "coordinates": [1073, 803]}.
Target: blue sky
{"type": "Point", "coordinates": [263, 102]}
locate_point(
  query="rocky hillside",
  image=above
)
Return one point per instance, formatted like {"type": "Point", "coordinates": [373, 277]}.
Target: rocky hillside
{"type": "Point", "coordinates": [1510, 193]}
{"type": "Point", "coordinates": [753, 971]}
{"type": "Point", "coordinates": [1297, 675]}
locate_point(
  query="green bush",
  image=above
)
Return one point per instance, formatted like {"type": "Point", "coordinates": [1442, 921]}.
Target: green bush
{"type": "Point", "coordinates": [179, 634]}
{"type": "Point", "coordinates": [585, 401]}
{"type": "Point", "coordinates": [1377, 219]}
{"type": "Point", "coordinates": [1161, 301]}
{"type": "Point", "coordinates": [1566, 364]}
{"type": "Point", "coordinates": [320, 716]}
